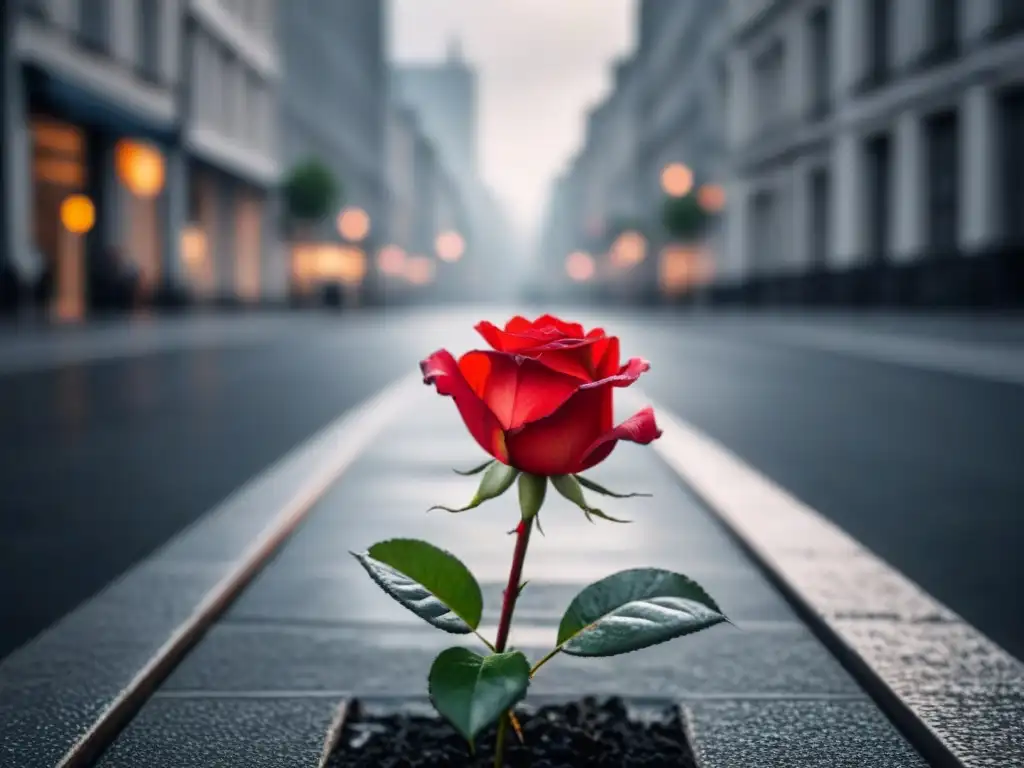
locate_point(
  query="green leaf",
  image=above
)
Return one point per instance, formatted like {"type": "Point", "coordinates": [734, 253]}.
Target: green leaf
{"type": "Point", "coordinates": [496, 480]}
{"type": "Point", "coordinates": [569, 487]}
{"type": "Point", "coordinates": [474, 470]}
{"type": "Point", "coordinates": [473, 691]}
{"type": "Point", "coordinates": [531, 494]}
{"type": "Point", "coordinates": [635, 609]}
{"type": "Point", "coordinates": [590, 485]}
{"type": "Point", "coordinates": [430, 582]}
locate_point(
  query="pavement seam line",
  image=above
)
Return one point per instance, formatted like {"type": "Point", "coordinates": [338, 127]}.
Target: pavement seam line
{"type": "Point", "coordinates": [358, 426]}
{"type": "Point", "coordinates": [767, 521]}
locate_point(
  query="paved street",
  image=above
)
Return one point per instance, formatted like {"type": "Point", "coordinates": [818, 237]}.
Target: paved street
{"type": "Point", "coordinates": [105, 459]}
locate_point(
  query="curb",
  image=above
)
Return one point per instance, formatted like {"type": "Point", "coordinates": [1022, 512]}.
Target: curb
{"type": "Point", "coordinates": [115, 673]}
{"type": "Point", "coordinates": [957, 696]}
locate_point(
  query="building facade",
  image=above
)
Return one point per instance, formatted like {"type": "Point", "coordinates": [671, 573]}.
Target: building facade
{"type": "Point", "coordinates": [444, 96]}
{"type": "Point", "coordinates": [89, 114]}
{"type": "Point", "coordinates": [875, 152]}
{"type": "Point", "coordinates": [334, 105]}
{"type": "Point", "coordinates": [230, 142]}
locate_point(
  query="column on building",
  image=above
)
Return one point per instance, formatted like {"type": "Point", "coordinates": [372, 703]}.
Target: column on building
{"type": "Point", "coordinates": [174, 212]}
{"type": "Point", "coordinates": [797, 79]}
{"type": "Point", "coordinates": [740, 107]}
{"type": "Point", "coordinates": [978, 17]}
{"type": "Point", "coordinates": [979, 212]}
{"type": "Point", "coordinates": [16, 249]}
{"type": "Point", "coordinates": [800, 242]}
{"type": "Point", "coordinates": [848, 202]}
{"type": "Point", "coordinates": [909, 38]}
{"type": "Point", "coordinates": [909, 229]}
{"type": "Point", "coordinates": [851, 42]}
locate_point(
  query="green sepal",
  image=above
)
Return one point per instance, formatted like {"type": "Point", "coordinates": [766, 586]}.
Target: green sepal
{"type": "Point", "coordinates": [531, 494]}
{"type": "Point", "coordinates": [496, 480]}
{"type": "Point", "coordinates": [569, 487]}
{"type": "Point", "coordinates": [590, 485]}
{"type": "Point", "coordinates": [474, 470]}
{"type": "Point", "coordinates": [473, 691]}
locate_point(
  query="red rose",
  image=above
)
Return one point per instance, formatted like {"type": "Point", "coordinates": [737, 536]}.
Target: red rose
{"type": "Point", "coordinates": [541, 400]}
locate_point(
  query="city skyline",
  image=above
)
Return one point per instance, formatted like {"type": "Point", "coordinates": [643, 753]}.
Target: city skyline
{"type": "Point", "coordinates": [532, 107]}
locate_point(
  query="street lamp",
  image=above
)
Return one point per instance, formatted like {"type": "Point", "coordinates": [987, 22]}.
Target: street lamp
{"type": "Point", "coordinates": [711, 198]}
{"type": "Point", "coordinates": [391, 260]}
{"type": "Point", "coordinates": [140, 167]}
{"type": "Point", "coordinates": [676, 180]}
{"type": "Point", "coordinates": [628, 249]}
{"type": "Point", "coordinates": [354, 224]}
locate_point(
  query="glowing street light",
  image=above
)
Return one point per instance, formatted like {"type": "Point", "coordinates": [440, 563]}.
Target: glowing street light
{"type": "Point", "coordinates": [449, 246]}
{"type": "Point", "coordinates": [579, 266]}
{"type": "Point", "coordinates": [628, 249]}
{"type": "Point", "coordinates": [391, 260]}
{"type": "Point", "coordinates": [711, 198]}
{"type": "Point", "coordinates": [140, 167]}
{"type": "Point", "coordinates": [676, 180]}
{"type": "Point", "coordinates": [77, 214]}
{"type": "Point", "coordinates": [419, 270]}
{"type": "Point", "coordinates": [354, 224]}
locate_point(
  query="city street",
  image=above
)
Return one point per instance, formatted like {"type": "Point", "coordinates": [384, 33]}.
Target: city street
{"type": "Point", "coordinates": [105, 459]}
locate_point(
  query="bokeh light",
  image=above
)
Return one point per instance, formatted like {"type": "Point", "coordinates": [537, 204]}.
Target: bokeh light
{"type": "Point", "coordinates": [419, 270]}
{"type": "Point", "coordinates": [676, 180]}
{"type": "Point", "coordinates": [140, 167]}
{"type": "Point", "coordinates": [354, 224]}
{"type": "Point", "coordinates": [629, 249]}
{"type": "Point", "coordinates": [391, 260]}
{"type": "Point", "coordinates": [711, 198]}
{"type": "Point", "coordinates": [579, 266]}
{"type": "Point", "coordinates": [77, 214]}
{"type": "Point", "coordinates": [449, 246]}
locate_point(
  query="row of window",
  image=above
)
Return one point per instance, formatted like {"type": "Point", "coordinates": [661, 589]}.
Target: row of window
{"type": "Point", "coordinates": [229, 97]}
{"type": "Point", "coordinates": [941, 185]}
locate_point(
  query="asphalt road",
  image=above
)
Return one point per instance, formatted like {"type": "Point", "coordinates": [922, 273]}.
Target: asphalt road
{"type": "Point", "coordinates": [102, 461]}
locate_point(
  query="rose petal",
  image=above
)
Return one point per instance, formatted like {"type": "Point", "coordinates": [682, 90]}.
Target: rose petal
{"type": "Point", "coordinates": [626, 375]}
{"type": "Point", "coordinates": [554, 445]}
{"type": "Point", "coordinates": [441, 370]}
{"type": "Point", "coordinates": [516, 389]}
{"type": "Point", "coordinates": [572, 330]}
{"type": "Point", "coordinates": [639, 428]}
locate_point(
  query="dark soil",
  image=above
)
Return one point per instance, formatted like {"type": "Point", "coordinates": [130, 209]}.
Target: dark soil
{"type": "Point", "coordinates": [591, 733]}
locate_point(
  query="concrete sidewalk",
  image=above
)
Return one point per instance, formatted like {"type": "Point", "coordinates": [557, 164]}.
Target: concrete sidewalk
{"type": "Point", "coordinates": [313, 629]}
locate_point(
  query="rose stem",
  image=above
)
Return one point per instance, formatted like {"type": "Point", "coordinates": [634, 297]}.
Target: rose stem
{"type": "Point", "coordinates": [508, 605]}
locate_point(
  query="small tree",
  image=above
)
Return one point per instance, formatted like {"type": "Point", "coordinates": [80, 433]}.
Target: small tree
{"type": "Point", "coordinates": [311, 193]}
{"type": "Point", "coordinates": [683, 217]}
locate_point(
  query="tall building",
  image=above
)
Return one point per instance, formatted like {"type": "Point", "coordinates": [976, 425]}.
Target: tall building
{"type": "Point", "coordinates": [444, 96]}
{"type": "Point", "coordinates": [230, 136]}
{"type": "Point", "coordinates": [334, 101]}
{"type": "Point", "coordinates": [138, 151]}
{"type": "Point", "coordinates": [876, 152]}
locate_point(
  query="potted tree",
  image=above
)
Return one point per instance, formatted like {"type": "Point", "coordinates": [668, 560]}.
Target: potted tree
{"type": "Point", "coordinates": [311, 193]}
{"type": "Point", "coordinates": [684, 263]}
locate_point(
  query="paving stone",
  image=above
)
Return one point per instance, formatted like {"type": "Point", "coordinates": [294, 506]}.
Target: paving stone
{"type": "Point", "coordinates": [199, 733]}
{"type": "Point", "coordinates": [394, 659]}
{"type": "Point", "coordinates": [797, 734]}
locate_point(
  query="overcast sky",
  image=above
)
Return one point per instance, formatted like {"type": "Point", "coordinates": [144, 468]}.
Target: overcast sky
{"type": "Point", "coordinates": [541, 63]}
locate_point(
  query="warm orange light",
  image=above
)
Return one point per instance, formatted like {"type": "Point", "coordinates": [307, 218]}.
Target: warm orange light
{"type": "Point", "coordinates": [676, 180]}
{"type": "Point", "coordinates": [711, 198]}
{"type": "Point", "coordinates": [354, 224]}
{"type": "Point", "coordinates": [193, 245]}
{"type": "Point", "coordinates": [419, 270]}
{"type": "Point", "coordinates": [579, 266]}
{"type": "Point", "coordinates": [681, 268]}
{"type": "Point", "coordinates": [629, 248]}
{"type": "Point", "coordinates": [77, 214]}
{"type": "Point", "coordinates": [391, 260]}
{"type": "Point", "coordinates": [449, 246]}
{"type": "Point", "coordinates": [140, 167]}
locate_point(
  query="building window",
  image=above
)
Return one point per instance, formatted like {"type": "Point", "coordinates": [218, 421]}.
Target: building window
{"type": "Point", "coordinates": [878, 27]}
{"type": "Point", "coordinates": [35, 8]}
{"type": "Point", "coordinates": [879, 155]}
{"type": "Point", "coordinates": [821, 62]}
{"type": "Point", "coordinates": [821, 217]}
{"type": "Point", "coordinates": [943, 182]}
{"type": "Point", "coordinates": [1011, 124]}
{"type": "Point", "coordinates": [94, 22]}
{"type": "Point", "coordinates": [943, 31]}
{"type": "Point", "coordinates": [149, 48]}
